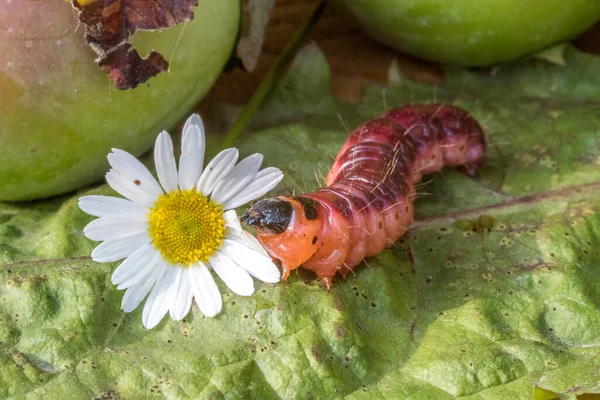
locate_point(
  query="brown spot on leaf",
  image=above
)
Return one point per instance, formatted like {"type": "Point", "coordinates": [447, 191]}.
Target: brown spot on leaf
{"type": "Point", "coordinates": [535, 264]}
{"type": "Point", "coordinates": [574, 389]}
{"type": "Point", "coordinates": [108, 394]}
{"type": "Point", "coordinates": [316, 352]}
{"type": "Point", "coordinates": [341, 331]}
{"type": "Point", "coordinates": [110, 23]}
{"type": "Point", "coordinates": [338, 304]}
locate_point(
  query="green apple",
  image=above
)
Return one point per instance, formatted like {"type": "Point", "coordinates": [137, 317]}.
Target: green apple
{"type": "Point", "coordinates": [60, 114]}
{"type": "Point", "coordinates": [472, 32]}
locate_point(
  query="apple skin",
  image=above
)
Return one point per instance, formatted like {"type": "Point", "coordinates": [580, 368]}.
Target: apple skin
{"type": "Point", "coordinates": [60, 114]}
{"type": "Point", "coordinates": [472, 32]}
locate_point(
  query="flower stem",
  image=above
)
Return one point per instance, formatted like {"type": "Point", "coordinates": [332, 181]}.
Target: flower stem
{"type": "Point", "coordinates": [270, 78]}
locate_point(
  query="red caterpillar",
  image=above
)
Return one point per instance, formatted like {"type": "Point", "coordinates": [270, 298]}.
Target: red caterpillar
{"type": "Point", "coordinates": [368, 203]}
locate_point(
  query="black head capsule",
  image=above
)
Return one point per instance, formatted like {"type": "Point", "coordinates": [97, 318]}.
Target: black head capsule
{"type": "Point", "coordinates": [271, 215]}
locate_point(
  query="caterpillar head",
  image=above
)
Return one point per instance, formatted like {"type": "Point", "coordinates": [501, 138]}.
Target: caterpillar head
{"type": "Point", "coordinates": [270, 215]}
{"type": "Point", "coordinates": [286, 227]}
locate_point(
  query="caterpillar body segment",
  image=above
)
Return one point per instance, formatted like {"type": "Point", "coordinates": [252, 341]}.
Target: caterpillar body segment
{"type": "Point", "coordinates": [368, 202]}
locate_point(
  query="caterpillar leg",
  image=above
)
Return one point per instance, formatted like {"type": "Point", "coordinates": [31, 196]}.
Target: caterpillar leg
{"type": "Point", "coordinates": [285, 272]}
{"type": "Point", "coordinates": [344, 271]}
{"type": "Point", "coordinates": [327, 281]}
{"type": "Point", "coordinates": [470, 169]}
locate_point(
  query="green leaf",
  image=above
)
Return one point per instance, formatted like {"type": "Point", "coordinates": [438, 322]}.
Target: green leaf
{"type": "Point", "coordinates": [493, 295]}
{"type": "Point", "coordinates": [553, 54]}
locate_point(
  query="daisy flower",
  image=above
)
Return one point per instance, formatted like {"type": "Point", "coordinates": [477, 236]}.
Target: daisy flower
{"type": "Point", "coordinates": [173, 234]}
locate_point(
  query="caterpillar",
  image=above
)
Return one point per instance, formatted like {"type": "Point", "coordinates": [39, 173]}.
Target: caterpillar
{"type": "Point", "coordinates": [368, 202]}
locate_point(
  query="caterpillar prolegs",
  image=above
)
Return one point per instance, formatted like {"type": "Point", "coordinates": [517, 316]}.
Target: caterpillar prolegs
{"type": "Point", "coordinates": [368, 203]}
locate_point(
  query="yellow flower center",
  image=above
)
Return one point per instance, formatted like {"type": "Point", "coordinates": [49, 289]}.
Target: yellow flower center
{"type": "Point", "coordinates": [186, 227]}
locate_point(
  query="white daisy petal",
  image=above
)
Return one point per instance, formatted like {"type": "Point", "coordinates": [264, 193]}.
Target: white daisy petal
{"type": "Point", "coordinates": [129, 188]}
{"type": "Point", "coordinates": [136, 267]}
{"type": "Point", "coordinates": [257, 264]}
{"type": "Point", "coordinates": [115, 227]}
{"type": "Point", "coordinates": [212, 286]}
{"type": "Point", "coordinates": [264, 181]}
{"type": "Point", "coordinates": [174, 288]}
{"type": "Point", "coordinates": [164, 159]}
{"type": "Point", "coordinates": [183, 295]}
{"type": "Point", "coordinates": [133, 264]}
{"type": "Point", "coordinates": [232, 221]}
{"type": "Point", "coordinates": [101, 206]}
{"type": "Point", "coordinates": [248, 240]}
{"type": "Point", "coordinates": [192, 157]}
{"type": "Point", "coordinates": [123, 161]}
{"type": "Point", "coordinates": [117, 249]}
{"type": "Point", "coordinates": [205, 290]}
{"type": "Point", "coordinates": [136, 293]}
{"type": "Point", "coordinates": [194, 119]}
{"type": "Point", "coordinates": [243, 173]}
{"type": "Point", "coordinates": [159, 301]}
{"type": "Point", "coordinates": [236, 278]}
{"type": "Point", "coordinates": [142, 273]}
{"type": "Point", "coordinates": [216, 170]}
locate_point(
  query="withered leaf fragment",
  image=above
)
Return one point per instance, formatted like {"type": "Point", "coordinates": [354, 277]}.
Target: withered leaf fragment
{"type": "Point", "coordinates": [127, 69]}
{"type": "Point", "coordinates": [110, 23]}
{"type": "Point", "coordinates": [255, 18]}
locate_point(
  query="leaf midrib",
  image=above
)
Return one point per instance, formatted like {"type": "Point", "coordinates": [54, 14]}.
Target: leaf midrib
{"type": "Point", "coordinates": [571, 192]}
{"type": "Point", "coordinates": [530, 201]}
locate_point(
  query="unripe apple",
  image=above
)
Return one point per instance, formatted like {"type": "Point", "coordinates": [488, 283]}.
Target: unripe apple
{"type": "Point", "coordinates": [60, 114]}
{"type": "Point", "coordinates": [472, 32]}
